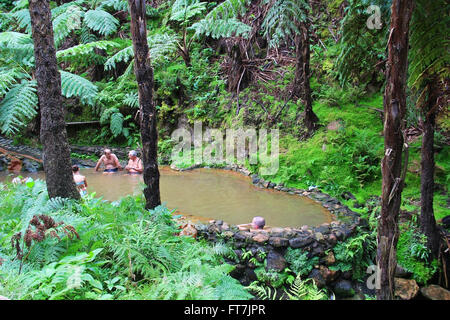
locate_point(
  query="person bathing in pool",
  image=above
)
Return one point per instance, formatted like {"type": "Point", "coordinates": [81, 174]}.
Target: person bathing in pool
{"type": "Point", "coordinates": [110, 161]}
{"type": "Point", "coordinates": [80, 180]}
{"type": "Point", "coordinates": [134, 164]}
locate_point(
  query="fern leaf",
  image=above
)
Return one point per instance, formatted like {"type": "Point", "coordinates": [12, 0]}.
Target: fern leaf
{"type": "Point", "coordinates": [73, 85]}
{"type": "Point", "coordinates": [101, 21]}
{"type": "Point", "coordinates": [18, 107]}
{"type": "Point", "coordinates": [116, 125]}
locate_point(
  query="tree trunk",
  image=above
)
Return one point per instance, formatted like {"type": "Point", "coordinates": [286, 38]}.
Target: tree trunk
{"type": "Point", "coordinates": [427, 219]}
{"type": "Point", "coordinates": [144, 77]}
{"type": "Point", "coordinates": [391, 166]}
{"type": "Point", "coordinates": [302, 88]}
{"type": "Point", "coordinates": [56, 152]}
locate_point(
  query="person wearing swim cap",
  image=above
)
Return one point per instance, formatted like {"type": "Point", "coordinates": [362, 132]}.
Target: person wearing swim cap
{"type": "Point", "coordinates": [110, 161]}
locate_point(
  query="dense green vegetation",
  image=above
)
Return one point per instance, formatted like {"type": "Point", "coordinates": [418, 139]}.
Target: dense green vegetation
{"type": "Point", "coordinates": [119, 250]}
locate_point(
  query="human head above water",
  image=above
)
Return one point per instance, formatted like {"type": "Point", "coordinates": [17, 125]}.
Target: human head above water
{"type": "Point", "coordinates": [107, 152]}
{"type": "Point", "coordinates": [258, 223]}
{"type": "Point", "coordinates": [75, 168]}
{"type": "Point", "coordinates": [132, 154]}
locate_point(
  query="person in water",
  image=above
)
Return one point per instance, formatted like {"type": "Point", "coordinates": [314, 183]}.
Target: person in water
{"type": "Point", "coordinates": [134, 164]}
{"type": "Point", "coordinates": [110, 161]}
{"type": "Point", "coordinates": [257, 223]}
{"type": "Point", "coordinates": [80, 180]}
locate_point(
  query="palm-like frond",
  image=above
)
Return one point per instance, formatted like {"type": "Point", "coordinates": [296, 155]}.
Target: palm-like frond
{"type": "Point", "coordinates": [101, 21]}
{"type": "Point", "coordinates": [86, 49]}
{"type": "Point", "coordinates": [73, 85]}
{"type": "Point", "coordinates": [221, 28]}
{"type": "Point", "coordinates": [282, 20]}
{"type": "Point", "coordinates": [23, 19]}
{"type": "Point", "coordinates": [428, 37]}
{"type": "Point", "coordinates": [10, 76]}
{"type": "Point", "coordinates": [18, 107]}
{"type": "Point", "coordinates": [184, 10]}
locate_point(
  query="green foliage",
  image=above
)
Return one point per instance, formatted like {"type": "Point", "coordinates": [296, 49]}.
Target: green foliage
{"type": "Point", "coordinates": [282, 20]}
{"type": "Point", "coordinates": [18, 107]}
{"type": "Point", "coordinates": [356, 254]}
{"type": "Point", "coordinates": [124, 252]}
{"type": "Point", "coordinates": [412, 254]}
{"type": "Point", "coordinates": [101, 22]}
{"type": "Point", "coordinates": [299, 262]}
{"type": "Point", "coordinates": [299, 290]}
{"type": "Point", "coordinates": [73, 85]}
{"type": "Point", "coordinates": [222, 21]}
{"type": "Point", "coordinates": [361, 48]}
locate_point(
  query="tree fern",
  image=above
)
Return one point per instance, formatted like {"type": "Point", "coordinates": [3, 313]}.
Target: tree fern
{"type": "Point", "coordinates": [282, 19]}
{"type": "Point", "coordinates": [428, 37]}
{"type": "Point", "coordinates": [10, 76]}
{"type": "Point", "coordinates": [119, 5]}
{"type": "Point", "coordinates": [66, 22]}
{"type": "Point", "coordinates": [116, 125]}
{"type": "Point", "coordinates": [222, 20]}
{"type": "Point", "coordinates": [23, 19]}
{"type": "Point", "coordinates": [73, 85]}
{"type": "Point", "coordinates": [160, 46]}
{"type": "Point", "coordinates": [84, 50]}
{"type": "Point", "coordinates": [132, 100]}
{"type": "Point", "coordinates": [18, 107]}
{"type": "Point", "coordinates": [101, 21]}
{"type": "Point", "coordinates": [221, 28]}
{"type": "Point", "coordinates": [184, 10]}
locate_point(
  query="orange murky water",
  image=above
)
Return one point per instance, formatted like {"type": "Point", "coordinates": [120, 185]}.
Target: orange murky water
{"type": "Point", "coordinates": [205, 194]}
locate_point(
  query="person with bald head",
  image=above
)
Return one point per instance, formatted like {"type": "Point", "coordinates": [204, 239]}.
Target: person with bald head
{"type": "Point", "coordinates": [110, 161]}
{"type": "Point", "coordinates": [134, 164]}
{"type": "Point", "coordinates": [257, 223]}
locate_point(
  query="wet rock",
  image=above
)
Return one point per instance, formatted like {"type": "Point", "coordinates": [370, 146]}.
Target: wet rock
{"type": "Point", "coordinates": [344, 289]}
{"type": "Point", "coordinates": [435, 292]}
{"type": "Point", "coordinates": [406, 289]}
{"type": "Point", "coordinates": [275, 261]}
{"type": "Point", "coordinates": [330, 258]}
{"type": "Point", "coordinates": [31, 166]}
{"type": "Point", "coordinates": [261, 238]}
{"type": "Point", "coordinates": [400, 272]}
{"type": "Point", "coordinates": [319, 237]}
{"type": "Point", "coordinates": [328, 275]}
{"type": "Point", "coordinates": [300, 242]}
{"type": "Point", "coordinates": [317, 277]}
{"type": "Point", "coordinates": [243, 236]}
{"type": "Point", "coordinates": [278, 242]}
{"type": "Point", "coordinates": [272, 185]}
{"type": "Point", "coordinates": [347, 195]}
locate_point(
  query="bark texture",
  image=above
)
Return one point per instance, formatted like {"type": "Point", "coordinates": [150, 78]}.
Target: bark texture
{"type": "Point", "coordinates": [391, 166]}
{"type": "Point", "coordinates": [302, 88]}
{"type": "Point", "coordinates": [144, 78]}
{"type": "Point", "coordinates": [56, 151]}
{"type": "Point", "coordinates": [427, 219]}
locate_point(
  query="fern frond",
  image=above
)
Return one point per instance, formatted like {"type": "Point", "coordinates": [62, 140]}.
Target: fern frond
{"type": "Point", "coordinates": [66, 22]}
{"type": "Point", "coordinates": [23, 19]}
{"type": "Point", "coordinates": [73, 85]}
{"type": "Point", "coordinates": [101, 21]}
{"type": "Point", "coordinates": [18, 107]}
{"type": "Point", "coordinates": [116, 125]}
{"type": "Point", "coordinates": [131, 99]}
{"type": "Point", "coordinates": [119, 5]}
{"type": "Point", "coordinates": [86, 49]}
{"type": "Point", "coordinates": [10, 76]}
{"type": "Point", "coordinates": [221, 28]}
{"type": "Point", "coordinates": [184, 10]}
{"type": "Point", "coordinates": [123, 55]}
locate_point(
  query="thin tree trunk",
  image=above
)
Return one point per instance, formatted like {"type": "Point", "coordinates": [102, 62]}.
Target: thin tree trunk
{"type": "Point", "coordinates": [427, 219]}
{"type": "Point", "coordinates": [391, 166]}
{"type": "Point", "coordinates": [144, 77]}
{"type": "Point", "coordinates": [302, 88]}
{"type": "Point", "coordinates": [56, 152]}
